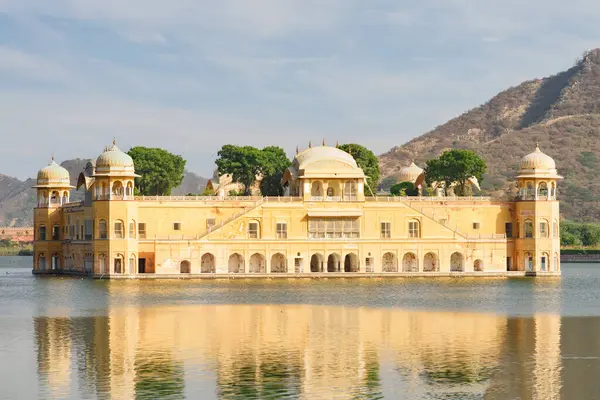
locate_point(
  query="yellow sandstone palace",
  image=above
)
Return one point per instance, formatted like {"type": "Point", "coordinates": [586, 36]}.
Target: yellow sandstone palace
{"type": "Point", "coordinates": [324, 226]}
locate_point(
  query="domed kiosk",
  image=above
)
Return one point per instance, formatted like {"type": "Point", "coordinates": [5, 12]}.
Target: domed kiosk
{"type": "Point", "coordinates": [325, 173]}
{"type": "Point", "coordinates": [53, 185]}
{"type": "Point", "coordinates": [537, 176]}
{"type": "Point", "coordinates": [114, 175]}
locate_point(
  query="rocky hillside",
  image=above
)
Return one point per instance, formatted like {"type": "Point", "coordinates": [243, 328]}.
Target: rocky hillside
{"type": "Point", "coordinates": [561, 112]}
{"type": "Point", "coordinates": [17, 198]}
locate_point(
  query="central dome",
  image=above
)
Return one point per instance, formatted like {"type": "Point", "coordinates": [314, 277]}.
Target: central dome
{"type": "Point", "coordinates": [323, 154]}
{"type": "Point", "coordinates": [114, 161]}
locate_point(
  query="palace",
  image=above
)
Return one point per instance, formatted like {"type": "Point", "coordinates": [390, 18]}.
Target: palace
{"type": "Point", "coordinates": [325, 226]}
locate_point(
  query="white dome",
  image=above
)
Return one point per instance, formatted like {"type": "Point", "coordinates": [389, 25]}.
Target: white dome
{"type": "Point", "coordinates": [538, 165]}
{"type": "Point", "coordinates": [537, 160]}
{"type": "Point", "coordinates": [53, 175]}
{"type": "Point", "coordinates": [115, 162]}
{"type": "Point", "coordinates": [410, 173]}
{"type": "Point", "coordinates": [325, 154]}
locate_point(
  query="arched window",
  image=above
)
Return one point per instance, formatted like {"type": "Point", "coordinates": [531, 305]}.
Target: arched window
{"type": "Point", "coordinates": [389, 263]}
{"type": "Point", "coordinates": [236, 263]}
{"type": "Point", "coordinates": [414, 229]}
{"type": "Point", "coordinates": [334, 263]}
{"type": "Point", "coordinates": [119, 229]}
{"type": "Point", "coordinates": [102, 263]}
{"type": "Point", "coordinates": [257, 264]}
{"type": "Point", "coordinates": [185, 267]}
{"type": "Point", "coordinates": [42, 261]}
{"type": "Point", "coordinates": [528, 228]}
{"type": "Point", "coordinates": [553, 191]}
{"type": "Point", "coordinates": [129, 190]}
{"type": "Point", "coordinates": [55, 198]}
{"type": "Point", "coordinates": [118, 264]}
{"type": "Point", "coordinates": [132, 229]}
{"type": "Point", "coordinates": [555, 263]}
{"type": "Point", "coordinates": [330, 192]}
{"type": "Point", "coordinates": [42, 232]}
{"type": "Point", "coordinates": [544, 260]}
{"type": "Point", "coordinates": [351, 263]}
{"type": "Point", "coordinates": [543, 190]}
{"type": "Point", "coordinates": [410, 263]}
{"type": "Point", "coordinates": [350, 190]}
{"type": "Point", "coordinates": [457, 262]}
{"type": "Point", "coordinates": [117, 188]}
{"type": "Point", "coordinates": [316, 262]}
{"type": "Point", "coordinates": [316, 190]}
{"type": "Point", "coordinates": [102, 229]}
{"type": "Point", "coordinates": [478, 266]}
{"type": "Point", "coordinates": [132, 263]}
{"type": "Point", "coordinates": [278, 263]}
{"type": "Point", "coordinates": [544, 229]}
{"type": "Point", "coordinates": [555, 229]}
{"type": "Point", "coordinates": [430, 263]}
{"type": "Point", "coordinates": [207, 264]}
{"type": "Point", "coordinates": [528, 262]}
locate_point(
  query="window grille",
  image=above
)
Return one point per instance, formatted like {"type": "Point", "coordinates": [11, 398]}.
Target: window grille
{"type": "Point", "coordinates": [386, 230]}
{"type": "Point", "coordinates": [413, 229]}
{"type": "Point", "coordinates": [142, 230]}
{"type": "Point", "coordinates": [281, 230]}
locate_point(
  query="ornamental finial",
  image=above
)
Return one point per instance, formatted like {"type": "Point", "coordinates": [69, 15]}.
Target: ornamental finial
{"type": "Point", "coordinates": [323, 141]}
{"type": "Point", "coordinates": [337, 144]}
{"type": "Point", "coordinates": [297, 150]}
{"type": "Point", "coordinates": [309, 144]}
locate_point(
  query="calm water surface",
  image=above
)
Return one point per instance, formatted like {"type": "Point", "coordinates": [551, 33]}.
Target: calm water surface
{"type": "Point", "coordinates": [72, 338]}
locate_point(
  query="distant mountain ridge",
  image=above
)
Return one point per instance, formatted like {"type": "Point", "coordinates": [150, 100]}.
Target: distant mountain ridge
{"type": "Point", "coordinates": [17, 198]}
{"type": "Point", "coordinates": [561, 113]}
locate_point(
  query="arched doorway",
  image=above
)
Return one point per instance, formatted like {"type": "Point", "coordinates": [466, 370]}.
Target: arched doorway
{"type": "Point", "coordinates": [430, 263]}
{"type": "Point", "coordinates": [207, 264]}
{"type": "Point", "coordinates": [333, 263]}
{"type": "Point", "coordinates": [410, 263]}
{"type": "Point", "coordinates": [478, 266]}
{"type": "Point", "coordinates": [351, 263]}
{"type": "Point", "coordinates": [278, 263]}
{"type": "Point", "coordinates": [457, 262]}
{"type": "Point", "coordinates": [528, 262]}
{"type": "Point", "coordinates": [389, 263]}
{"type": "Point", "coordinates": [185, 267]}
{"type": "Point", "coordinates": [235, 264]}
{"type": "Point", "coordinates": [544, 260]}
{"type": "Point", "coordinates": [316, 263]}
{"type": "Point", "coordinates": [257, 264]}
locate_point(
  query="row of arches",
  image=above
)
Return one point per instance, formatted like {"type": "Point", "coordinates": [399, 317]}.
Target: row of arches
{"type": "Point", "coordinates": [55, 198]}
{"type": "Point", "coordinates": [542, 191]}
{"type": "Point", "coordinates": [118, 190]}
{"type": "Point", "coordinates": [333, 263]}
{"type": "Point", "coordinates": [236, 264]}
{"type": "Point", "coordinates": [334, 188]}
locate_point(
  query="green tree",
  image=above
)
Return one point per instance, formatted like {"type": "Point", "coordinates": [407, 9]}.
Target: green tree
{"type": "Point", "coordinates": [160, 170]}
{"type": "Point", "coordinates": [403, 189]}
{"type": "Point", "coordinates": [243, 163]}
{"type": "Point", "coordinates": [275, 162]}
{"type": "Point", "coordinates": [455, 166]}
{"type": "Point", "coordinates": [368, 161]}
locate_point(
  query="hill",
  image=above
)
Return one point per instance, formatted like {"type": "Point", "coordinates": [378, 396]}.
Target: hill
{"type": "Point", "coordinates": [561, 113]}
{"type": "Point", "coordinates": [17, 198]}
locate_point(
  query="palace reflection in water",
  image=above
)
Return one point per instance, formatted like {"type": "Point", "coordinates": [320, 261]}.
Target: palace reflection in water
{"type": "Point", "coordinates": [277, 351]}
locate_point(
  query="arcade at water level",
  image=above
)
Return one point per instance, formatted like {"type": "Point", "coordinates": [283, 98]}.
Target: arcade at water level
{"type": "Point", "coordinates": [324, 226]}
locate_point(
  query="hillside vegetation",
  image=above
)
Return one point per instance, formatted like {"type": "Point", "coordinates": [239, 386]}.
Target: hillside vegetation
{"type": "Point", "coordinates": [561, 113]}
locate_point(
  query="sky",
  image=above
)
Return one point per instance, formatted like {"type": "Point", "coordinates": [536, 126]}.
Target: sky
{"type": "Point", "coordinates": [192, 75]}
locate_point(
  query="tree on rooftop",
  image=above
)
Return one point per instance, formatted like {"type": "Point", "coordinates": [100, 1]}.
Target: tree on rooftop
{"type": "Point", "coordinates": [160, 170]}
{"type": "Point", "coordinates": [243, 163]}
{"type": "Point", "coordinates": [455, 166]}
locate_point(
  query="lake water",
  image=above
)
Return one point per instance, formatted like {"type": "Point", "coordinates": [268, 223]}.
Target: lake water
{"type": "Point", "coordinates": [442, 338]}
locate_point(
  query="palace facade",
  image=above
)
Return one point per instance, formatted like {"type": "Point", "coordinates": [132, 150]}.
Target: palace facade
{"type": "Point", "coordinates": [324, 226]}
